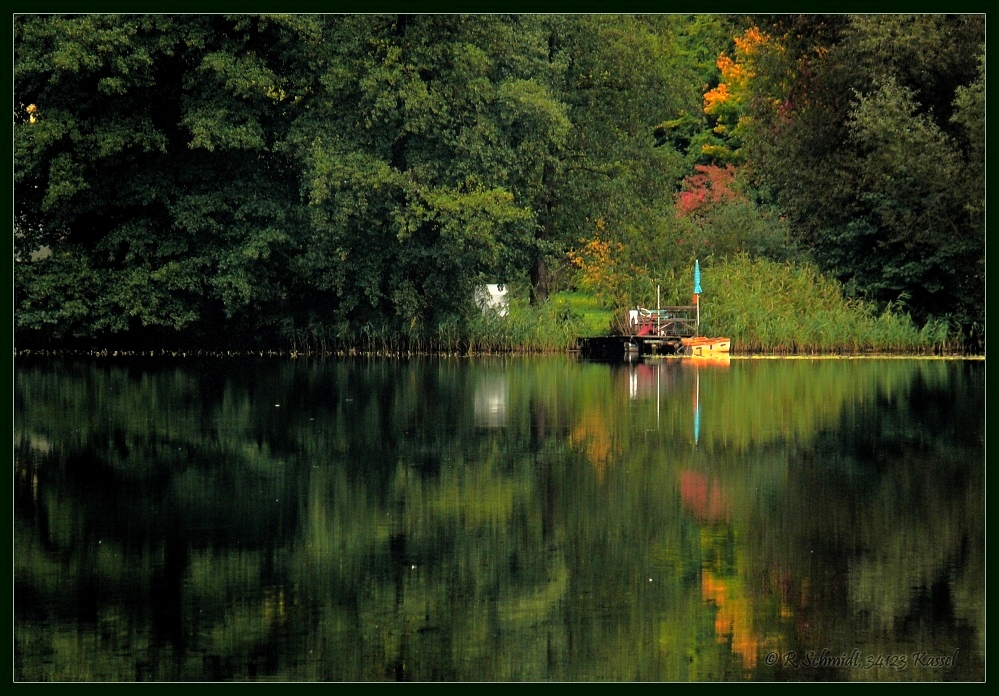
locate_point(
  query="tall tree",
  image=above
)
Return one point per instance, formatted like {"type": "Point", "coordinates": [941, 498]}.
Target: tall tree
{"type": "Point", "coordinates": [149, 161]}
{"type": "Point", "coordinates": [424, 163]}
{"type": "Point", "coordinates": [624, 76]}
{"type": "Point", "coordinates": [225, 177]}
{"type": "Point", "coordinates": [865, 127]}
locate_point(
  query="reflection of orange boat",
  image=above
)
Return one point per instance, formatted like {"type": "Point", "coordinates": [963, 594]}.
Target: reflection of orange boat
{"type": "Point", "coordinates": [702, 345]}
{"type": "Point", "coordinates": [709, 360]}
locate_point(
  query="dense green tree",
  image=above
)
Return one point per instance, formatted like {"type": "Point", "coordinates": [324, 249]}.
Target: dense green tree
{"type": "Point", "coordinates": [615, 181]}
{"type": "Point", "coordinates": [867, 130]}
{"type": "Point", "coordinates": [244, 179]}
{"type": "Point", "coordinates": [424, 161]}
{"type": "Point", "coordinates": [149, 162]}
{"type": "Point", "coordinates": [358, 175]}
{"type": "Point", "coordinates": [707, 43]}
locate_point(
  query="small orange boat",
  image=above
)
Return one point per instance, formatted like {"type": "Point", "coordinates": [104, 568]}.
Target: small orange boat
{"type": "Point", "coordinates": [704, 346]}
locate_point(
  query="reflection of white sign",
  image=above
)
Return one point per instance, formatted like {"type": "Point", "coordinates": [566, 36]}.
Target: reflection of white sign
{"type": "Point", "coordinates": [493, 298]}
{"type": "Point", "coordinates": [490, 401]}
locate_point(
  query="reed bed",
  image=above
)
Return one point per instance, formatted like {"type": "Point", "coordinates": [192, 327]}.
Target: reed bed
{"type": "Point", "coordinates": [546, 328]}
{"type": "Point", "coordinates": [763, 306]}
{"type": "Point", "coordinates": [769, 307]}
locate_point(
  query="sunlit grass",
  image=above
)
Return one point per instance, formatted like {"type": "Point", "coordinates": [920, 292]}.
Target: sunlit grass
{"type": "Point", "coordinates": [596, 317]}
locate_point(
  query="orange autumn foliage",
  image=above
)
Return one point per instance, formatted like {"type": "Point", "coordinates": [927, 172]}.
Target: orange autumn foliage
{"type": "Point", "coordinates": [735, 74]}
{"type": "Point", "coordinates": [602, 274]}
{"type": "Point", "coordinates": [727, 101]}
{"type": "Point", "coordinates": [751, 41]}
{"type": "Point", "coordinates": [734, 618]}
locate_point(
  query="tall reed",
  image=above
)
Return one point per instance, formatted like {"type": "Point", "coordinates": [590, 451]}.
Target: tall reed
{"type": "Point", "coordinates": [764, 306]}
{"type": "Point", "coordinates": [545, 328]}
{"type": "Point", "coordinates": [542, 328]}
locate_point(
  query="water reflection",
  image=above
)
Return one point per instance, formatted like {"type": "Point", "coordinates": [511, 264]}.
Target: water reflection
{"type": "Point", "coordinates": [512, 519]}
{"type": "Point", "coordinates": [491, 397]}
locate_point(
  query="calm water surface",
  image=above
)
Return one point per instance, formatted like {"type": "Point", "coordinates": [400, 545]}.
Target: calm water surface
{"type": "Point", "coordinates": [499, 520]}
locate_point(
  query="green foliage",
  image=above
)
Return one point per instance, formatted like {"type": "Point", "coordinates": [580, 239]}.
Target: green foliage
{"type": "Point", "coordinates": [595, 316]}
{"type": "Point", "coordinates": [538, 328]}
{"type": "Point", "coordinates": [765, 306]}
{"type": "Point", "coordinates": [740, 227]}
{"type": "Point", "coordinates": [863, 128]}
{"type": "Point", "coordinates": [623, 75]}
{"type": "Point", "coordinates": [252, 181]}
{"type": "Point", "coordinates": [151, 155]}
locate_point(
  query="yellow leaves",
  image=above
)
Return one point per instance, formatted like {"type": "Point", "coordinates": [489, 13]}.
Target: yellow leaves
{"type": "Point", "coordinates": [751, 41]}
{"type": "Point", "coordinates": [728, 100]}
{"type": "Point", "coordinates": [602, 271]}
{"type": "Point", "coordinates": [593, 435]}
{"type": "Point", "coordinates": [594, 259]}
{"type": "Point", "coordinates": [276, 93]}
{"type": "Point", "coordinates": [32, 113]}
{"type": "Point", "coordinates": [716, 98]}
{"type": "Point", "coordinates": [715, 151]}
{"type": "Point", "coordinates": [733, 72]}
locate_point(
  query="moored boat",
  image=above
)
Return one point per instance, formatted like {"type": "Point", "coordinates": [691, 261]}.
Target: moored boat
{"type": "Point", "coordinates": [703, 345]}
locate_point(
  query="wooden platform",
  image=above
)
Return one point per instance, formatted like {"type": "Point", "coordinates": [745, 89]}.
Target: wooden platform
{"type": "Point", "coordinates": [664, 322]}
{"type": "Point", "coordinates": [651, 332]}
{"type": "Point", "coordinates": [617, 347]}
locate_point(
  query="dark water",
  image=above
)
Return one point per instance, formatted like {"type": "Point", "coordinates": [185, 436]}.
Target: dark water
{"type": "Point", "coordinates": [499, 520]}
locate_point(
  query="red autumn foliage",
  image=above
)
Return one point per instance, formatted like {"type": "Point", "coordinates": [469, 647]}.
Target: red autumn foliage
{"type": "Point", "coordinates": [709, 184]}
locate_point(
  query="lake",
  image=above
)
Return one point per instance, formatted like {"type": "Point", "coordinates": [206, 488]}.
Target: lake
{"type": "Point", "coordinates": [499, 519]}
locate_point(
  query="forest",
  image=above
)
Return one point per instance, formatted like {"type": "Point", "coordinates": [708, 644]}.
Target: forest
{"type": "Point", "coordinates": [344, 181]}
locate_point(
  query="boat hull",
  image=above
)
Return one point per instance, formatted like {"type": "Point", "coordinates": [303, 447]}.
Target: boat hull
{"type": "Point", "coordinates": [703, 346]}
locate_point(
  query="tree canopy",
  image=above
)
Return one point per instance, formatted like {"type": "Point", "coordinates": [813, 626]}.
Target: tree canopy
{"type": "Point", "coordinates": [227, 178]}
{"type": "Point", "coordinates": [868, 131]}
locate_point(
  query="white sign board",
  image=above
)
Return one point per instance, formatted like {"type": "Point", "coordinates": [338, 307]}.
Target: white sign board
{"type": "Point", "coordinates": [493, 298]}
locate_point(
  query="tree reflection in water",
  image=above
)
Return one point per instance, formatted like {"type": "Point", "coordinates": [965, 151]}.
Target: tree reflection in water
{"type": "Point", "coordinates": [498, 520]}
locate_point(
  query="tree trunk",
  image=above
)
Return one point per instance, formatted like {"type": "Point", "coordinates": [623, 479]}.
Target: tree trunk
{"type": "Point", "coordinates": [539, 281]}
{"type": "Point", "coordinates": [539, 270]}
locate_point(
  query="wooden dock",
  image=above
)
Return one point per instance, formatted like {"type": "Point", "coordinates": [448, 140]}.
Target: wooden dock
{"type": "Point", "coordinates": [650, 332]}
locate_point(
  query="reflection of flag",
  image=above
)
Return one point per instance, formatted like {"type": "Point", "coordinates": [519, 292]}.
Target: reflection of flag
{"type": "Point", "coordinates": [697, 406]}
{"type": "Point", "coordinates": [697, 425]}
{"type": "Point", "coordinates": [697, 278]}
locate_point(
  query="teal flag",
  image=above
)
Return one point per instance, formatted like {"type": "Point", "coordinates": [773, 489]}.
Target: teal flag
{"type": "Point", "coordinates": [697, 278]}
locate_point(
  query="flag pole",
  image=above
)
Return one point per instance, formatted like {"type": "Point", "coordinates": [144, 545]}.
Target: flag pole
{"type": "Point", "coordinates": [697, 295]}
{"type": "Point", "coordinates": [659, 307]}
